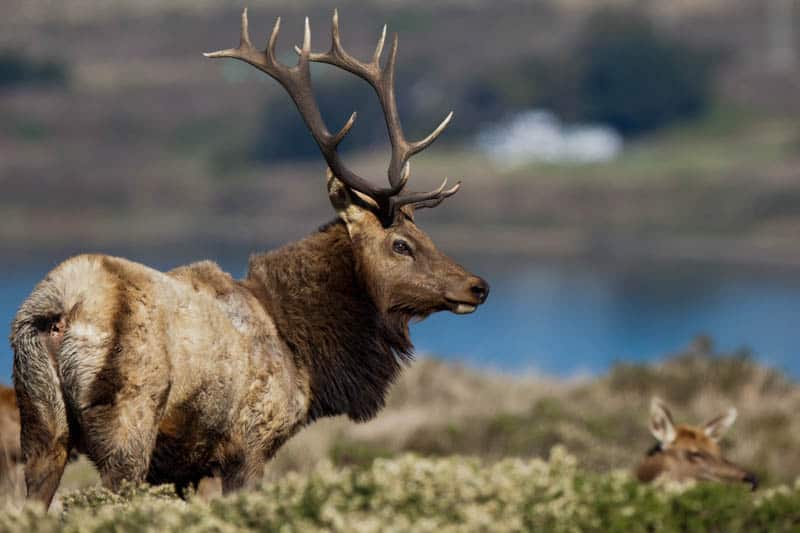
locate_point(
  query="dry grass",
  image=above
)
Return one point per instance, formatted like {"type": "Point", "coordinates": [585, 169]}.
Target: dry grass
{"type": "Point", "coordinates": [442, 409]}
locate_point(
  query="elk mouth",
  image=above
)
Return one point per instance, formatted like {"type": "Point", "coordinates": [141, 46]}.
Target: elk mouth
{"type": "Point", "coordinates": [464, 302]}
{"type": "Point", "coordinates": [461, 308]}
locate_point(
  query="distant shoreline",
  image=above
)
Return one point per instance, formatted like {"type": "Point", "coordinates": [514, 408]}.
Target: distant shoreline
{"type": "Point", "coordinates": [512, 244]}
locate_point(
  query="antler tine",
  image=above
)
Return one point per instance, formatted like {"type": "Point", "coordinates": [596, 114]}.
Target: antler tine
{"type": "Point", "coordinates": [264, 61]}
{"type": "Point", "coordinates": [345, 130]}
{"type": "Point", "coordinates": [306, 39]}
{"type": "Point", "coordinates": [376, 58]}
{"type": "Point", "coordinates": [273, 38]}
{"type": "Point", "coordinates": [400, 147]}
{"type": "Point", "coordinates": [426, 199]}
{"type": "Point", "coordinates": [427, 141]}
{"type": "Point", "coordinates": [244, 43]}
{"type": "Point", "coordinates": [336, 42]}
{"type": "Point", "coordinates": [244, 39]}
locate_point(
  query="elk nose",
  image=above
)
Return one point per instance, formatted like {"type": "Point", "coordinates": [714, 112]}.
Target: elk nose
{"type": "Point", "coordinates": [480, 289]}
{"type": "Point", "coordinates": [752, 479]}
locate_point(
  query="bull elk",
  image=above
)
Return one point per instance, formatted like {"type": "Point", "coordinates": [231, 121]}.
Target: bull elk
{"type": "Point", "coordinates": [176, 376]}
{"type": "Point", "coordinates": [685, 453]}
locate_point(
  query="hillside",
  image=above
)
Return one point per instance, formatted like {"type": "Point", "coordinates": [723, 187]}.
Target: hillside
{"type": "Point", "coordinates": [150, 145]}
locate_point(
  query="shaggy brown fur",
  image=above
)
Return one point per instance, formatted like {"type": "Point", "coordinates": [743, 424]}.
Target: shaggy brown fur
{"type": "Point", "coordinates": [349, 367]}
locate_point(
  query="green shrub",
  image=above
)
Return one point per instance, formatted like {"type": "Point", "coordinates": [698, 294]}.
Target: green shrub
{"type": "Point", "coordinates": [635, 79]}
{"type": "Point", "coordinates": [619, 71]}
{"type": "Point", "coordinates": [410, 493]}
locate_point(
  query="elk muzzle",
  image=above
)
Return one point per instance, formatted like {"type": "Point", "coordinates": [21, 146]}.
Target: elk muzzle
{"type": "Point", "coordinates": [725, 471]}
{"type": "Point", "coordinates": [466, 296]}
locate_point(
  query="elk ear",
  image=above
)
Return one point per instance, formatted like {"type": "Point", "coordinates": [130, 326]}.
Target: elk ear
{"type": "Point", "coordinates": [661, 425]}
{"type": "Point", "coordinates": [357, 217]}
{"type": "Point", "coordinates": [718, 426]}
{"type": "Point", "coordinates": [408, 211]}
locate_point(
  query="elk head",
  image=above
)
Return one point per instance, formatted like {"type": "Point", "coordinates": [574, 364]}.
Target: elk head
{"type": "Point", "coordinates": [685, 452]}
{"type": "Point", "coordinates": [400, 266]}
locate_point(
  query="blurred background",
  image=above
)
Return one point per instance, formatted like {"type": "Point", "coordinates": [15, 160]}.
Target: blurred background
{"type": "Point", "coordinates": [631, 169]}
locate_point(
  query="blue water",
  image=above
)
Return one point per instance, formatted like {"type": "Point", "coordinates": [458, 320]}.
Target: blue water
{"type": "Point", "coordinates": [575, 319]}
{"type": "Point", "coordinates": [579, 319]}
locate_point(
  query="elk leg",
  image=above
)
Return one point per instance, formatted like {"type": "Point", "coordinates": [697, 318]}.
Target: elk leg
{"type": "Point", "coordinates": [209, 488]}
{"type": "Point", "coordinates": [240, 474]}
{"type": "Point", "coordinates": [120, 449]}
{"type": "Point", "coordinates": [44, 468]}
{"type": "Point", "coordinates": [121, 435]}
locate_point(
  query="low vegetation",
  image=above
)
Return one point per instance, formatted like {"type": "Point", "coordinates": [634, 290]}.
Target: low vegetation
{"type": "Point", "coordinates": [411, 493]}
{"type": "Point", "coordinates": [457, 449]}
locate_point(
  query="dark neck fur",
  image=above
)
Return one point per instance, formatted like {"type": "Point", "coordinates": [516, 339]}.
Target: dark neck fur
{"type": "Point", "coordinates": [652, 465]}
{"type": "Point", "coordinates": [350, 351]}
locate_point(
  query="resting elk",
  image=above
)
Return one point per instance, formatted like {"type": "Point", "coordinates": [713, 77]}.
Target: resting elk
{"type": "Point", "coordinates": [173, 377]}
{"type": "Point", "coordinates": [685, 453]}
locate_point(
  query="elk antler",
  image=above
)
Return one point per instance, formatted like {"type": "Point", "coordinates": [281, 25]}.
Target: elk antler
{"type": "Point", "coordinates": [297, 82]}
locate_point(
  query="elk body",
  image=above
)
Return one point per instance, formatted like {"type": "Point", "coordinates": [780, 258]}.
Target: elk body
{"type": "Point", "coordinates": [177, 376]}
{"type": "Point", "coordinates": [685, 453]}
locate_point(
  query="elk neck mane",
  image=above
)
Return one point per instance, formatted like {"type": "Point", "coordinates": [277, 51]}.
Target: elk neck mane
{"type": "Point", "coordinates": [322, 309]}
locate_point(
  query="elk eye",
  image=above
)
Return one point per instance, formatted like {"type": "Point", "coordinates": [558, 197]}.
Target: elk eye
{"type": "Point", "coordinates": [695, 456]}
{"type": "Point", "coordinates": [401, 247]}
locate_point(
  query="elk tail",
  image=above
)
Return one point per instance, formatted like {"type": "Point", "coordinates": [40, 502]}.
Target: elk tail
{"type": "Point", "coordinates": [44, 433]}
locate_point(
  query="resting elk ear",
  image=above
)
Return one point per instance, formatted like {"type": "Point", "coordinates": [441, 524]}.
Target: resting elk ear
{"type": "Point", "coordinates": [661, 425]}
{"type": "Point", "coordinates": [716, 428]}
